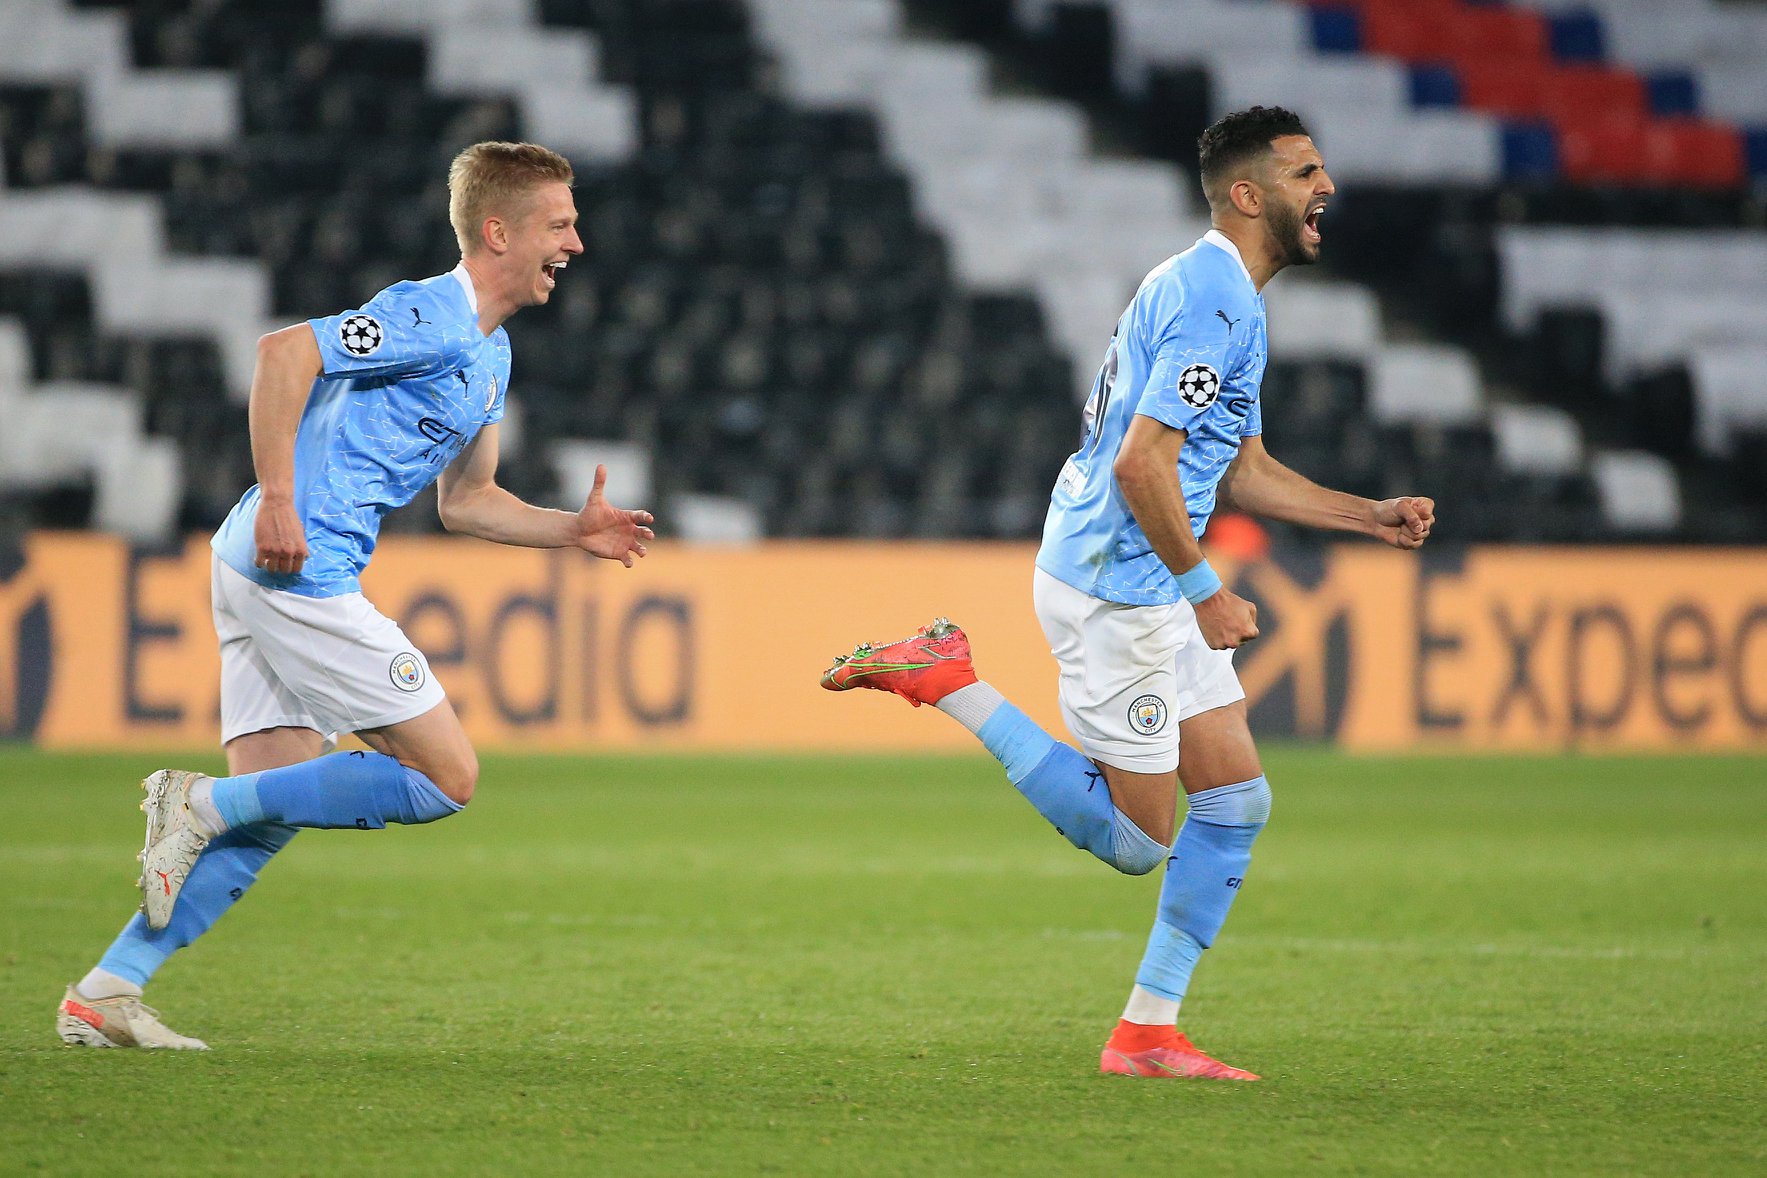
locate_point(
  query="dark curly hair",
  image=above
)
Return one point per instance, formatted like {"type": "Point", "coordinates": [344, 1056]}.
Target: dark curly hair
{"type": "Point", "coordinates": [1238, 138]}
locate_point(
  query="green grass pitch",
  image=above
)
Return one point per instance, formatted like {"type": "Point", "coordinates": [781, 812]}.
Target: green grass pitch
{"type": "Point", "coordinates": [892, 966]}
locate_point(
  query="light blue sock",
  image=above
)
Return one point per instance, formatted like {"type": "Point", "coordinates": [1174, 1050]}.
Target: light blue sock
{"type": "Point", "coordinates": [223, 872]}
{"type": "Point", "coordinates": [1208, 864]}
{"type": "Point", "coordinates": [357, 790]}
{"type": "Point", "coordinates": [1068, 790]}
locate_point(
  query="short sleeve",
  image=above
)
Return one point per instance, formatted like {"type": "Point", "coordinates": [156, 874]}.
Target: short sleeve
{"type": "Point", "coordinates": [1190, 365]}
{"type": "Point", "coordinates": [1254, 419]}
{"type": "Point", "coordinates": [392, 337]}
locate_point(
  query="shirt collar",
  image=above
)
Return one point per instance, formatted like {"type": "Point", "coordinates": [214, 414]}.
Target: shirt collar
{"type": "Point", "coordinates": [1220, 240]}
{"type": "Point", "coordinates": [460, 275]}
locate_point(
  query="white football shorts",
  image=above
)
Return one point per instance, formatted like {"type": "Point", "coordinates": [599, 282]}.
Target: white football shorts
{"type": "Point", "coordinates": [332, 664]}
{"type": "Point", "coordinates": [1130, 674]}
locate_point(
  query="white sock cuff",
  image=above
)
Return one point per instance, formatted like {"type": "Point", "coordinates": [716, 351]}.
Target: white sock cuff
{"type": "Point", "coordinates": [1150, 1009]}
{"type": "Point", "coordinates": [101, 983]}
{"type": "Point", "coordinates": [971, 706]}
{"type": "Point", "coordinates": [202, 805]}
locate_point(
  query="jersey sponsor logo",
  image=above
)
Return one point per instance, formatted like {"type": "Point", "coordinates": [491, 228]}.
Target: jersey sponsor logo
{"type": "Point", "coordinates": [361, 335]}
{"type": "Point", "coordinates": [445, 441]}
{"type": "Point", "coordinates": [1147, 715]}
{"type": "Point", "coordinates": [407, 672]}
{"type": "Point", "coordinates": [1198, 386]}
{"type": "Point", "coordinates": [1226, 320]}
{"type": "Point", "coordinates": [417, 316]}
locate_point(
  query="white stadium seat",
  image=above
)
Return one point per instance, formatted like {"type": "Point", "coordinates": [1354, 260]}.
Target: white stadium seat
{"type": "Point", "coordinates": [45, 42]}
{"type": "Point", "coordinates": [499, 47]}
{"type": "Point", "coordinates": [1316, 86]}
{"type": "Point", "coordinates": [1202, 32]}
{"type": "Point", "coordinates": [1729, 391]}
{"type": "Point", "coordinates": [1313, 320]}
{"type": "Point", "coordinates": [1638, 491]}
{"type": "Point", "coordinates": [1424, 384]}
{"type": "Point", "coordinates": [1537, 439]}
{"type": "Point", "coordinates": [714, 519]}
{"type": "Point", "coordinates": [1647, 331]}
{"type": "Point", "coordinates": [1421, 147]}
{"type": "Point", "coordinates": [65, 432]}
{"type": "Point", "coordinates": [628, 469]}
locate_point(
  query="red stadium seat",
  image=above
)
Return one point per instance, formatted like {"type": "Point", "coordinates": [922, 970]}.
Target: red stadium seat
{"type": "Point", "coordinates": [1508, 34]}
{"type": "Point", "coordinates": [1603, 151]}
{"type": "Point", "coordinates": [1575, 92]}
{"type": "Point", "coordinates": [1516, 89]}
{"type": "Point", "coordinates": [1567, 93]}
{"type": "Point", "coordinates": [1422, 31]}
{"type": "Point", "coordinates": [1686, 152]}
{"type": "Point", "coordinates": [1446, 30]}
{"type": "Point", "coordinates": [1697, 153]}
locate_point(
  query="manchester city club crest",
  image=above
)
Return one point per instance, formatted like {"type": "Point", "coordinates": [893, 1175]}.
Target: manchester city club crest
{"type": "Point", "coordinates": [1147, 715]}
{"type": "Point", "coordinates": [407, 672]}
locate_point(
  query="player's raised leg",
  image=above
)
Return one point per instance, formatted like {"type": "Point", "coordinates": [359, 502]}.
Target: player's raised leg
{"type": "Point", "coordinates": [1229, 803]}
{"type": "Point", "coordinates": [935, 667]}
{"type": "Point", "coordinates": [428, 773]}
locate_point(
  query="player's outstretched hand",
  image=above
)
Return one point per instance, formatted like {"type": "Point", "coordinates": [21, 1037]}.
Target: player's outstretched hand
{"type": "Point", "coordinates": [280, 539]}
{"type": "Point", "coordinates": [1227, 620]}
{"type": "Point", "coordinates": [612, 532]}
{"type": "Point", "coordinates": [1405, 522]}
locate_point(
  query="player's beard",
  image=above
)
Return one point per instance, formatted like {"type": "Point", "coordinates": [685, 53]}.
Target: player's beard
{"type": "Point", "coordinates": [1285, 227]}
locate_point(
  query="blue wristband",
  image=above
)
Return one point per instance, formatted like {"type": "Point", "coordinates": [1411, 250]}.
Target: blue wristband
{"type": "Point", "coordinates": [1199, 584]}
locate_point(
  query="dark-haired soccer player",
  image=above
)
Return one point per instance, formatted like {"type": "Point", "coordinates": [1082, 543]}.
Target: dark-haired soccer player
{"type": "Point", "coordinates": [1141, 625]}
{"type": "Point", "coordinates": [351, 416]}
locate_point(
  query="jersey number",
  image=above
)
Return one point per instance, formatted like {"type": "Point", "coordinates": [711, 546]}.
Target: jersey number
{"type": "Point", "coordinates": [1100, 399]}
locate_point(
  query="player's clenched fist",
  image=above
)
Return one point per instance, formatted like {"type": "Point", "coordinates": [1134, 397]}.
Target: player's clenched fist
{"type": "Point", "coordinates": [281, 541]}
{"type": "Point", "coordinates": [1405, 522]}
{"type": "Point", "coordinates": [1226, 620]}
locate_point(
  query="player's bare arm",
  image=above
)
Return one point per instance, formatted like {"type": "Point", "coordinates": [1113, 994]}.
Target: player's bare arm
{"type": "Point", "coordinates": [288, 363]}
{"type": "Point", "coordinates": [1146, 471]}
{"type": "Point", "coordinates": [471, 503]}
{"type": "Point", "coordinates": [1258, 484]}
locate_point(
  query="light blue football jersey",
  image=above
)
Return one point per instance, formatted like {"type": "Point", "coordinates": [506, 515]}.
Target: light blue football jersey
{"type": "Point", "coordinates": [408, 381]}
{"type": "Point", "coordinates": [1189, 351]}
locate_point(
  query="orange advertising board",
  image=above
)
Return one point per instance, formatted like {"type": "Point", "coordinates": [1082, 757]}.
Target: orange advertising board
{"type": "Point", "coordinates": [714, 649]}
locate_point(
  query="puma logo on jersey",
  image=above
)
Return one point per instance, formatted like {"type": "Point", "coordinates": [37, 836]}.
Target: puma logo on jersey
{"type": "Point", "coordinates": [1226, 320]}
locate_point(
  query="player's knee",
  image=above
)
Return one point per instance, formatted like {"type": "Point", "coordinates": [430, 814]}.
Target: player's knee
{"type": "Point", "coordinates": [1140, 858]}
{"type": "Point", "coordinates": [1246, 803]}
{"type": "Point", "coordinates": [1133, 849]}
{"type": "Point", "coordinates": [456, 775]}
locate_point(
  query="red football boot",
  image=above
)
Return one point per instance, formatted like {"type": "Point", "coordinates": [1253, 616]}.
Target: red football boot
{"type": "Point", "coordinates": [922, 670]}
{"type": "Point", "coordinates": [1136, 1050]}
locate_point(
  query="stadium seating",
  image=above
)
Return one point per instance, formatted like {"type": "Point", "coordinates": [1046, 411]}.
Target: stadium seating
{"type": "Point", "coordinates": [821, 239]}
{"type": "Point", "coordinates": [746, 257]}
{"type": "Point", "coordinates": [1539, 100]}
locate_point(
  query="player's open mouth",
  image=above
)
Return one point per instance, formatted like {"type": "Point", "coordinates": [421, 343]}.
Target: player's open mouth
{"type": "Point", "coordinates": [1310, 224]}
{"type": "Point", "coordinates": [549, 272]}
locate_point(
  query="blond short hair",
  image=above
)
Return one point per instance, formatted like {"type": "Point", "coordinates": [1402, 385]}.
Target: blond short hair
{"type": "Point", "coordinates": [491, 178]}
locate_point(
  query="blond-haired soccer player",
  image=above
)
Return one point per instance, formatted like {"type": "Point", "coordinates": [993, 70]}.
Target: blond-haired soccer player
{"type": "Point", "coordinates": [351, 416]}
{"type": "Point", "coordinates": [1142, 627]}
